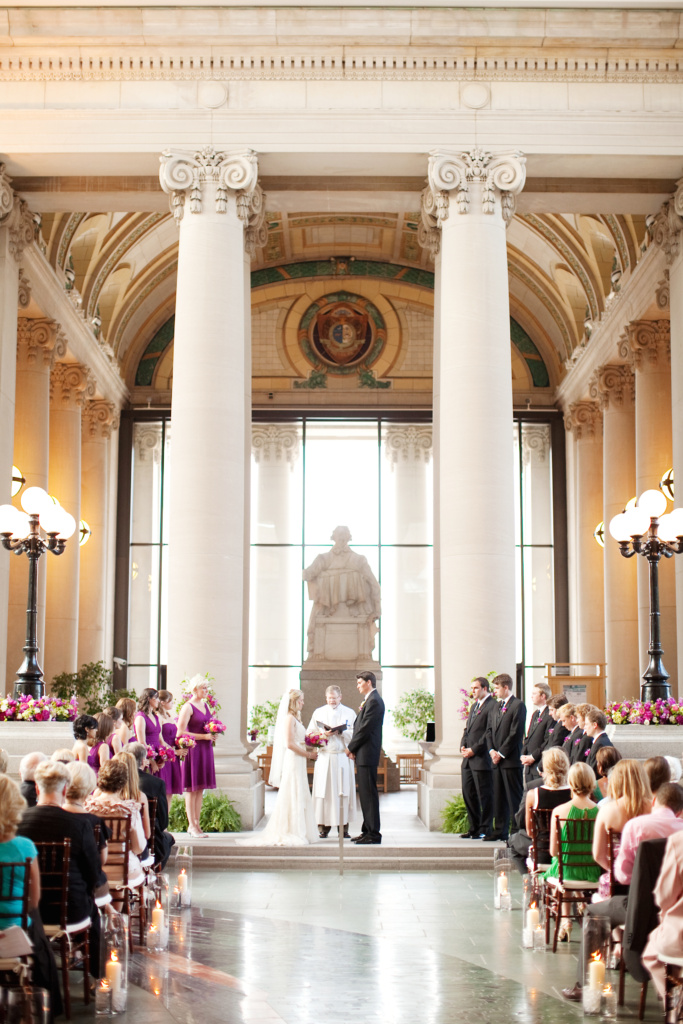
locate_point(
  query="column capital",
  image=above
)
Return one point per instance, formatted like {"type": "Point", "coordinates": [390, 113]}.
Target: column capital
{"type": "Point", "coordinates": [16, 216]}
{"type": "Point", "coordinates": [583, 419]}
{"type": "Point", "coordinates": [71, 384]}
{"type": "Point", "coordinates": [147, 442]}
{"type": "Point", "coordinates": [535, 442]}
{"type": "Point", "coordinates": [646, 343]}
{"type": "Point", "coordinates": [666, 232]}
{"type": "Point", "coordinates": [184, 171]}
{"type": "Point", "coordinates": [614, 385]}
{"type": "Point", "coordinates": [99, 419]}
{"type": "Point", "coordinates": [407, 444]}
{"type": "Point", "coordinates": [39, 335]}
{"type": "Point", "coordinates": [24, 290]}
{"type": "Point", "coordinates": [275, 443]}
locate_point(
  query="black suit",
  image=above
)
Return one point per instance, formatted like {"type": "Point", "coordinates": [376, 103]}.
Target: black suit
{"type": "Point", "coordinates": [580, 751]}
{"type": "Point", "coordinates": [556, 735]}
{"type": "Point", "coordinates": [602, 740]}
{"type": "Point", "coordinates": [505, 735]}
{"type": "Point", "coordinates": [155, 788]}
{"type": "Point", "coordinates": [366, 745]}
{"type": "Point", "coordinates": [477, 778]}
{"type": "Point", "coordinates": [570, 742]}
{"type": "Point", "coordinates": [534, 742]}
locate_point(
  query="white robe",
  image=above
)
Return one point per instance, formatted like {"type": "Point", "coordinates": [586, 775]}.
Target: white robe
{"type": "Point", "coordinates": [331, 759]}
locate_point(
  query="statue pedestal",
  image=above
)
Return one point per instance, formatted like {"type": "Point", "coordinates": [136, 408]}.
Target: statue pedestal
{"type": "Point", "coordinates": [317, 675]}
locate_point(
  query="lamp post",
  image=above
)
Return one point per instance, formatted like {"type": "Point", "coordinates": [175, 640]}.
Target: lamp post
{"type": "Point", "coordinates": [21, 534]}
{"type": "Point", "coordinates": [644, 530]}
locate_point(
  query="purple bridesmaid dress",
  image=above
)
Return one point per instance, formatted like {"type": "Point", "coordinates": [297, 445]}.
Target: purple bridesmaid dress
{"type": "Point", "coordinates": [172, 773]}
{"type": "Point", "coordinates": [94, 757]}
{"type": "Point", "coordinates": [198, 767]}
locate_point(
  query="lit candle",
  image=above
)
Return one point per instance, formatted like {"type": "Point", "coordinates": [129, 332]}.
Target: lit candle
{"type": "Point", "coordinates": [158, 917]}
{"type": "Point", "coordinates": [182, 881]}
{"type": "Point", "coordinates": [532, 919]}
{"type": "Point", "coordinates": [502, 884]}
{"type": "Point", "coordinates": [113, 973]}
{"type": "Point", "coordinates": [596, 972]}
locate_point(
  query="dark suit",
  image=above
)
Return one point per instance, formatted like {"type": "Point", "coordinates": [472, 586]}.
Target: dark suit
{"type": "Point", "coordinates": [505, 735]}
{"type": "Point", "coordinates": [556, 735]}
{"type": "Point", "coordinates": [602, 740]}
{"type": "Point", "coordinates": [581, 749]}
{"type": "Point", "coordinates": [570, 744]}
{"type": "Point", "coordinates": [477, 778]}
{"type": "Point", "coordinates": [155, 788]}
{"type": "Point", "coordinates": [366, 745]}
{"type": "Point", "coordinates": [534, 742]}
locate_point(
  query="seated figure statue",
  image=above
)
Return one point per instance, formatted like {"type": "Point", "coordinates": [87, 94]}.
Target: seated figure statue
{"type": "Point", "coordinates": [346, 603]}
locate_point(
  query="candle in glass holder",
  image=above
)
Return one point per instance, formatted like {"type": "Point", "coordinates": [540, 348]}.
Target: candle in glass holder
{"type": "Point", "coordinates": [113, 974]}
{"type": "Point", "coordinates": [502, 884]}
{"type": "Point", "coordinates": [103, 998]}
{"type": "Point", "coordinates": [182, 881]}
{"type": "Point", "coordinates": [609, 1001]}
{"type": "Point", "coordinates": [596, 971]}
{"type": "Point", "coordinates": [539, 939]}
{"type": "Point", "coordinates": [158, 917]}
{"type": "Point", "coordinates": [532, 918]}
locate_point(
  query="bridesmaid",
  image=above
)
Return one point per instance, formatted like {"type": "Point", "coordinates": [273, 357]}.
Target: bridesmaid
{"type": "Point", "coordinates": [147, 723]}
{"type": "Point", "coordinates": [198, 767]}
{"type": "Point", "coordinates": [115, 745]}
{"type": "Point", "coordinates": [171, 773]}
{"type": "Point", "coordinates": [91, 740]}
{"type": "Point", "coordinates": [124, 729]}
{"type": "Point", "coordinates": [105, 731]}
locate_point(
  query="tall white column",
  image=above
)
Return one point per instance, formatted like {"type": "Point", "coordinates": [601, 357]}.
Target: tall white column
{"type": "Point", "coordinates": [16, 232]}
{"type": "Point", "coordinates": [97, 422]}
{"type": "Point", "coordinates": [667, 235]}
{"type": "Point", "coordinates": [214, 197]}
{"type": "Point", "coordinates": [38, 341]}
{"type": "Point", "coordinates": [539, 623]}
{"type": "Point", "coordinates": [465, 208]}
{"type": "Point", "coordinates": [70, 384]}
{"type": "Point", "coordinates": [585, 421]}
{"type": "Point", "coordinates": [614, 387]}
{"type": "Point", "coordinates": [648, 344]}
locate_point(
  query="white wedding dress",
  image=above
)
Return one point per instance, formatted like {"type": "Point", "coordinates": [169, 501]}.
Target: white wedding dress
{"type": "Point", "coordinates": [292, 822]}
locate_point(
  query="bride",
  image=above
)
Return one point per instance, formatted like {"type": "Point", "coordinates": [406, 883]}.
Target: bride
{"type": "Point", "coordinates": [292, 822]}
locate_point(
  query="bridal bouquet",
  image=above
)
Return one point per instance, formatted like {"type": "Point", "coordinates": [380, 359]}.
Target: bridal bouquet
{"type": "Point", "coordinates": [165, 755]}
{"type": "Point", "coordinates": [214, 727]}
{"type": "Point", "coordinates": [184, 744]}
{"type": "Point", "coordinates": [315, 740]}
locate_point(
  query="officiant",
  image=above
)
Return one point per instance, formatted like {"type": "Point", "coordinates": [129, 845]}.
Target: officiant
{"type": "Point", "coordinates": [334, 721]}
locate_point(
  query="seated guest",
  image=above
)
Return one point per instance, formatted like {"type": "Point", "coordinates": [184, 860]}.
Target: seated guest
{"type": "Point", "coordinates": [630, 792]}
{"type": "Point", "coordinates": [63, 755]}
{"type": "Point", "coordinates": [49, 822]}
{"type": "Point", "coordinates": [668, 895]}
{"type": "Point", "coordinates": [567, 714]}
{"type": "Point", "coordinates": [82, 783]}
{"type": "Point", "coordinates": [109, 798]}
{"type": "Point", "coordinates": [663, 821]}
{"type": "Point", "coordinates": [557, 730]}
{"type": "Point", "coordinates": [15, 849]}
{"type": "Point", "coordinates": [154, 788]}
{"type": "Point", "coordinates": [552, 791]}
{"type": "Point", "coordinates": [596, 723]}
{"type": "Point", "coordinates": [605, 760]}
{"type": "Point", "coordinates": [27, 767]}
{"type": "Point", "coordinates": [658, 772]}
{"type": "Point", "coordinates": [4, 761]}
{"type": "Point", "coordinates": [133, 791]}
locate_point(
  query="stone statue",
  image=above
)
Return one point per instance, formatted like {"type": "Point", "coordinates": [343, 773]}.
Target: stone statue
{"type": "Point", "coordinates": [346, 603]}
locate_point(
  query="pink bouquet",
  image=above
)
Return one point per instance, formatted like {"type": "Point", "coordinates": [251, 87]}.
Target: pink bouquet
{"type": "Point", "coordinates": [185, 742]}
{"type": "Point", "coordinates": [165, 755]}
{"type": "Point", "coordinates": [215, 727]}
{"type": "Point", "coordinates": [315, 740]}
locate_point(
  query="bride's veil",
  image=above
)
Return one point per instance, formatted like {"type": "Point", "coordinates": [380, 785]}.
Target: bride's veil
{"type": "Point", "coordinates": [279, 741]}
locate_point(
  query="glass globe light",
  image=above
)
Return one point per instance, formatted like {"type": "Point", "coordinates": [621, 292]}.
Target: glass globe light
{"type": "Point", "coordinates": [22, 526]}
{"type": "Point", "coordinates": [630, 504]}
{"type": "Point", "coordinates": [653, 502]}
{"type": "Point", "coordinates": [18, 480]}
{"type": "Point", "coordinates": [638, 521]}
{"type": "Point", "coordinates": [34, 500]}
{"type": "Point", "coordinates": [52, 518]}
{"type": "Point", "coordinates": [84, 533]}
{"type": "Point", "coordinates": [673, 525]}
{"type": "Point", "coordinates": [618, 527]}
{"type": "Point", "coordinates": [8, 518]}
{"type": "Point", "coordinates": [599, 534]}
{"type": "Point", "coordinates": [68, 527]}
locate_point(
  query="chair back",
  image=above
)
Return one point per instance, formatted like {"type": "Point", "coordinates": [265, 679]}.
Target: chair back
{"type": "Point", "coordinates": [54, 859]}
{"type": "Point", "coordinates": [613, 844]}
{"type": "Point", "coordinates": [118, 846]}
{"type": "Point", "coordinates": [539, 831]}
{"type": "Point", "coordinates": [14, 893]}
{"type": "Point", "coordinates": [576, 847]}
{"type": "Point", "coordinates": [152, 804]}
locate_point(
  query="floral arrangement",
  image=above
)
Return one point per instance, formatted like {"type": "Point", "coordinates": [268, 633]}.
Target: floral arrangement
{"type": "Point", "coordinates": [315, 740]}
{"type": "Point", "coordinates": [638, 712]}
{"type": "Point", "coordinates": [151, 753]}
{"type": "Point", "coordinates": [253, 735]}
{"type": "Point", "coordinates": [186, 686]}
{"type": "Point", "coordinates": [466, 703]}
{"type": "Point", "coordinates": [215, 727]}
{"type": "Point", "coordinates": [165, 755]}
{"type": "Point", "coordinates": [185, 742]}
{"type": "Point", "coordinates": [44, 709]}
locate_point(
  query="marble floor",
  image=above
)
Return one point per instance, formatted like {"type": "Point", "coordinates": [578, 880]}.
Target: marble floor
{"type": "Point", "coordinates": [304, 947]}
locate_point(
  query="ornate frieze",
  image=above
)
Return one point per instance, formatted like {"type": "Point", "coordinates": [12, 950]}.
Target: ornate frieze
{"type": "Point", "coordinates": [613, 385]}
{"type": "Point", "coordinates": [408, 444]}
{"type": "Point", "coordinates": [275, 443]}
{"type": "Point", "coordinates": [584, 420]}
{"type": "Point", "coordinates": [71, 385]}
{"type": "Point", "coordinates": [99, 419]}
{"type": "Point", "coordinates": [535, 442]}
{"type": "Point", "coordinates": [36, 336]}
{"type": "Point", "coordinates": [646, 343]}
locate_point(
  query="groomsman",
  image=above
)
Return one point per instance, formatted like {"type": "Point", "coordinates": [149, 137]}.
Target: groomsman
{"type": "Point", "coordinates": [477, 770]}
{"type": "Point", "coordinates": [596, 723]}
{"type": "Point", "coordinates": [504, 740]}
{"type": "Point", "coordinates": [557, 731]}
{"type": "Point", "coordinates": [580, 751]}
{"type": "Point", "coordinates": [575, 732]}
{"type": "Point", "coordinates": [534, 741]}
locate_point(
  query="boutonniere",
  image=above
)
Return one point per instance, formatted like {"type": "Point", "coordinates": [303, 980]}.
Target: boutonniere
{"type": "Point", "coordinates": [577, 740]}
{"type": "Point", "coordinates": [551, 731]}
{"type": "Point", "coordinates": [503, 709]}
{"type": "Point", "coordinates": [362, 705]}
{"type": "Point", "coordinates": [478, 711]}
{"type": "Point", "coordinates": [586, 752]}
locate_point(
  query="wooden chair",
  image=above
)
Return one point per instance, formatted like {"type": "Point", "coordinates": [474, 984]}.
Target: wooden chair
{"type": "Point", "coordinates": [68, 938]}
{"type": "Point", "coordinates": [539, 831]}
{"type": "Point", "coordinates": [264, 762]}
{"type": "Point", "coordinates": [673, 990]}
{"type": "Point", "coordinates": [14, 894]}
{"type": "Point", "coordinates": [409, 766]}
{"type": "Point", "coordinates": [383, 775]}
{"type": "Point", "coordinates": [576, 843]}
{"type": "Point", "coordinates": [613, 843]}
{"type": "Point", "coordinates": [116, 869]}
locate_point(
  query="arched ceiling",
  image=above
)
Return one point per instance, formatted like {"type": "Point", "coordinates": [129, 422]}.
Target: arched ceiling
{"type": "Point", "coordinates": [563, 269]}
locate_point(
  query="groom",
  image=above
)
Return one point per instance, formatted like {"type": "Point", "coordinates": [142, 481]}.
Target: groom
{"type": "Point", "coordinates": [364, 748]}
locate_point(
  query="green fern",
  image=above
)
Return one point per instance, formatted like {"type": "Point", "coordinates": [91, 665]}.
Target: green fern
{"type": "Point", "coordinates": [218, 814]}
{"type": "Point", "coordinates": [454, 816]}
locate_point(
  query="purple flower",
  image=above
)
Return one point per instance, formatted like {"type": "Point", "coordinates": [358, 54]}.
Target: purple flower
{"type": "Point", "coordinates": [577, 740]}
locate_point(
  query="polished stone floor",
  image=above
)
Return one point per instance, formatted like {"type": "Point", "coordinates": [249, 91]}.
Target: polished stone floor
{"type": "Point", "coordinates": [304, 947]}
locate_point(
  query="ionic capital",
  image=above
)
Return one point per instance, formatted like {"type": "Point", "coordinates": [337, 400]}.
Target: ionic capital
{"type": "Point", "coordinates": [270, 443]}
{"type": "Point", "coordinates": [613, 385]}
{"type": "Point", "coordinates": [147, 442]}
{"type": "Point", "coordinates": [663, 292]}
{"type": "Point", "coordinates": [16, 216]}
{"type": "Point", "coordinates": [24, 290]}
{"type": "Point", "coordinates": [99, 419]}
{"type": "Point", "coordinates": [36, 336]}
{"type": "Point", "coordinates": [584, 419]}
{"type": "Point", "coordinates": [666, 233]}
{"type": "Point", "coordinates": [408, 444]}
{"type": "Point", "coordinates": [647, 343]}
{"type": "Point", "coordinates": [183, 172]}
{"type": "Point", "coordinates": [71, 384]}
{"type": "Point", "coordinates": [535, 442]}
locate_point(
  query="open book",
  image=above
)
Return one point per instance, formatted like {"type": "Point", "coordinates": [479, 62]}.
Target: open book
{"type": "Point", "coordinates": [333, 728]}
